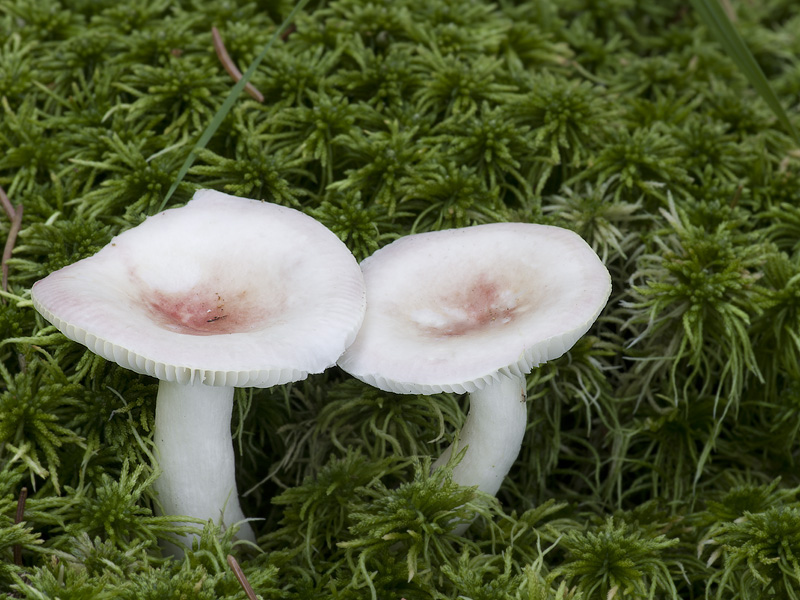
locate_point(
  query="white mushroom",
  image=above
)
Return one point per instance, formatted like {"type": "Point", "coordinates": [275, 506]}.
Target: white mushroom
{"type": "Point", "coordinates": [224, 292]}
{"type": "Point", "coordinates": [474, 310]}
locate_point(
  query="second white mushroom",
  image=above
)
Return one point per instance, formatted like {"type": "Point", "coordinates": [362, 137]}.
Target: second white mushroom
{"type": "Point", "coordinates": [473, 310]}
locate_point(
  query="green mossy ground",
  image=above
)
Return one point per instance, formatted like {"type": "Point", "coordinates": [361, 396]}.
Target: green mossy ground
{"type": "Point", "coordinates": [661, 457]}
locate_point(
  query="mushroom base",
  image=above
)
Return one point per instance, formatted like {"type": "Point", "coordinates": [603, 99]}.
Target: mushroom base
{"type": "Point", "coordinates": [195, 454]}
{"type": "Point", "coordinates": [493, 432]}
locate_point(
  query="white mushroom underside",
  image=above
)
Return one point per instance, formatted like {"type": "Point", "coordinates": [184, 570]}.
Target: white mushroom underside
{"type": "Point", "coordinates": [224, 291]}
{"type": "Point", "coordinates": [445, 314]}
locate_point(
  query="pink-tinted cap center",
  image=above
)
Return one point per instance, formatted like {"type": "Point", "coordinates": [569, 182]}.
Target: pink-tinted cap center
{"type": "Point", "coordinates": [204, 311]}
{"type": "Point", "coordinates": [482, 305]}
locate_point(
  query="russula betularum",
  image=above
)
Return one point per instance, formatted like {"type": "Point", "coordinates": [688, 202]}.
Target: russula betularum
{"type": "Point", "coordinates": [224, 292]}
{"type": "Point", "coordinates": [473, 310]}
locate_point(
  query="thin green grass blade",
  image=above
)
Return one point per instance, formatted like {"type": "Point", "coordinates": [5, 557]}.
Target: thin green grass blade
{"type": "Point", "coordinates": [718, 22]}
{"type": "Point", "coordinates": [223, 111]}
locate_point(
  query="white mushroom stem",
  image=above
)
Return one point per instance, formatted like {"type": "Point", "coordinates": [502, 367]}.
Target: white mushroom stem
{"type": "Point", "coordinates": [195, 453]}
{"type": "Point", "coordinates": [493, 431]}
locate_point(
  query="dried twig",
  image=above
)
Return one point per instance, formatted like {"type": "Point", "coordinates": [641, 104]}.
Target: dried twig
{"type": "Point", "coordinates": [289, 31]}
{"type": "Point", "coordinates": [15, 215]}
{"type": "Point", "coordinates": [237, 571]}
{"type": "Point", "coordinates": [230, 67]}
{"type": "Point", "coordinates": [6, 203]}
{"type": "Point", "coordinates": [17, 550]}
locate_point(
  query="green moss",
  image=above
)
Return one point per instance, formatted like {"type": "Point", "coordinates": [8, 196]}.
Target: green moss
{"type": "Point", "coordinates": [617, 560]}
{"type": "Point", "coordinates": [670, 429]}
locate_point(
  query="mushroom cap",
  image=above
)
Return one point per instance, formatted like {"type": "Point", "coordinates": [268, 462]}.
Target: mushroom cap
{"type": "Point", "coordinates": [224, 291]}
{"type": "Point", "coordinates": [452, 310]}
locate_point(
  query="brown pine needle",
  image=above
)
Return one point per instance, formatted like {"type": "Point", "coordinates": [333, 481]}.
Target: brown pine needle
{"type": "Point", "coordinates": [17, 550]}
{"type": "Point", "coordinates": [230, 67]}
{"type": "Point", "coordinates": [237, 571]}
{"type": "Point", "coordinates": [289, 31]}
{"type": "Point", "coordinates": [6, 204]}
{"type": "Point", "coordinates": [15, 215]}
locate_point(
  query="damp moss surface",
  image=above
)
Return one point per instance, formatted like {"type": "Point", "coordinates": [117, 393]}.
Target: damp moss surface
{"type": "Point", "coordinates": [661, 455]}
